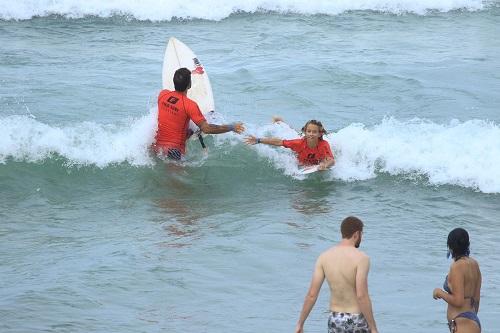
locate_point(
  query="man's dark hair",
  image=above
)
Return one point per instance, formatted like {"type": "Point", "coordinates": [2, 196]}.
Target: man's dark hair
{"type": "Point", "coordinates": [458, 243]}
{"type": "Point", "coordinates": [350, 225]}
{"type": "Point", "coordinates": [182, 79]}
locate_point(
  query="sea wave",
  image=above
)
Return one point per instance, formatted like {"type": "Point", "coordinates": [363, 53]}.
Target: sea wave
{"type": "Point", "coordinates": [165, 10]}
{"type": "Point", "coordinates": [457, 153]}
{"type": "Point", "coordinates": [23, 138]}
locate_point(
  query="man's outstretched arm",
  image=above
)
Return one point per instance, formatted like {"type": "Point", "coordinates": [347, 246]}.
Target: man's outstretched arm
{"type": "Point", "coordinates": [218, 129]}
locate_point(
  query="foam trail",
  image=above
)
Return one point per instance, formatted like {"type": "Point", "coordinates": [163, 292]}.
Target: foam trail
{"type": "Point", "coordinates": [160, 10]}
{"type": "Point", "coordinates": [22, 138]}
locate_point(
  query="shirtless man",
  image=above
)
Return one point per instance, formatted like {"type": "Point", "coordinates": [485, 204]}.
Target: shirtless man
{"type": "Point", "coordinates": [346, 270]}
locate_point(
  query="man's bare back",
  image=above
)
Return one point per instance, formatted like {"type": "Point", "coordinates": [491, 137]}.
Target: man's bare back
{"type": "Point", "coordinates": [340, 264]}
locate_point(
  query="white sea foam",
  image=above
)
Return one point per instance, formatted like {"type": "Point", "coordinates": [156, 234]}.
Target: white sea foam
{"type": "Point", "coordinates": [22, 138]}
{"type": "Point", "coordinates": [280, 157]}
{"type": "Point", "coordinates": [159, 10]}
{"type": "Point", "coordinates": [459, 153]}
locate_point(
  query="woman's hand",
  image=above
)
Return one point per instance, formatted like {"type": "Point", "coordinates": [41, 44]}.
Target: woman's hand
{"type": "Point", "coordinates": [437, 293]}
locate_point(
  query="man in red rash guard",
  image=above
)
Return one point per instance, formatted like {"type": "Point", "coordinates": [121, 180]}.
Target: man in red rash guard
{"type": "Point", "coordinates": [312, 149]}
{"type": "Point", "coordinates": [175, 110]}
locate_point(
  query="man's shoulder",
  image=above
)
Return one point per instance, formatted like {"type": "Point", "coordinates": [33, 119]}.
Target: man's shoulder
{"type": "Point", "coordinates": [190, 103]}
{"type": "Point", "coordinates": [361, 255]}
{"type": "Point", "coordinates": [354, 253]}
{"type": "Point", "coordinates": [365, 258]}
{"type": "Point", "coordinates": [164, 93]}
{"type": "Point", "coordinates": [328, 252]}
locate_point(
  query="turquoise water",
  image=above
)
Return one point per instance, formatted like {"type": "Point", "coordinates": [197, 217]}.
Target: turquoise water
{"type": "Point", "coordinates": [97, 235]}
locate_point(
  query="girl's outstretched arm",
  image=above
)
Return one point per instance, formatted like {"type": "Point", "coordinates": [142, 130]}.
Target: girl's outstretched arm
{"type": "Point", "coordinates": [252, 140]}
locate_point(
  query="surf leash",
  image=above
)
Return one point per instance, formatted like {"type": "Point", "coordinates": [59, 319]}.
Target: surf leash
{"type": "Point", "coordinates": [201, 141]}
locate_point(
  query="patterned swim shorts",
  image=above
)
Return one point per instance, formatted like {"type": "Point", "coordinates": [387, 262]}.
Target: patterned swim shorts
{"type": "Point", "coordinates": [343, 322]}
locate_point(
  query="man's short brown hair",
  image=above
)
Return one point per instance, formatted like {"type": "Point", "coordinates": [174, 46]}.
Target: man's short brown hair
{"type": "Point", "coordinates": [350, 225]}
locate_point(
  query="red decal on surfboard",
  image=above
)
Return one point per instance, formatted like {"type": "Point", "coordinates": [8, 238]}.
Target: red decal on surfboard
{"type": "Point", "coordinates": [199, 67]}
{"type": "Point", "coordinates": [198, 70]}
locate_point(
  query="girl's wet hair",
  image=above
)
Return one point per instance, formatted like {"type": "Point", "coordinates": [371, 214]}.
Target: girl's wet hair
{"type": "Point", "coordinates": [458, 243]}
{"type": "Point", "coordinates": [322, 130]}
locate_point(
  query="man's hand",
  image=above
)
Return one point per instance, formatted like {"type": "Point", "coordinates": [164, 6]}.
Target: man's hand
{"type": "Point", "coordinates": [299, 329]}
{"type": "Point", "coordinates": [239, 128]}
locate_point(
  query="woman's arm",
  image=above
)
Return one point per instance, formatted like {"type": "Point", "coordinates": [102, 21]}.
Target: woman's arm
{"type": "Point", "coordinates": [456, 284]}
{"type": "Point", "coordinates": [477, 293]}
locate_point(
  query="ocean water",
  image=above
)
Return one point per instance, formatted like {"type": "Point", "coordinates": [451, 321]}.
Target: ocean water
{"type": "Point", "coordinates": [98, 235]}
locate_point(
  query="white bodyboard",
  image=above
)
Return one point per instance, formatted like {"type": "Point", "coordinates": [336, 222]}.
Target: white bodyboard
{"type": "Point", "coordinates": [309, 169]}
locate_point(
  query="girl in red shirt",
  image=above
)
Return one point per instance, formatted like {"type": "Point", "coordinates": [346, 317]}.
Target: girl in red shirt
{"type": "Point", "coordinates": [312, 149]}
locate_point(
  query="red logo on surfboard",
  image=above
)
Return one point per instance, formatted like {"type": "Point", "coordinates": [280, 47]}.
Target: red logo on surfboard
{"type": "Point", "coordinates": [199, 68]}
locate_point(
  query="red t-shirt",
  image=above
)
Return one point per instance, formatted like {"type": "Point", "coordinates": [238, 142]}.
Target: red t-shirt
{"type": "Point", "coordinates": [306, 155]}
{"type": "Point", "coordinates": [174, 112]}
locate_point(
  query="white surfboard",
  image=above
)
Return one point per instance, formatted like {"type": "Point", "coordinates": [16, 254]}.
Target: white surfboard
{"type": "Point", "coordinates": [309, 169]}
{"type": "Point", "coordinates": [179, 55]}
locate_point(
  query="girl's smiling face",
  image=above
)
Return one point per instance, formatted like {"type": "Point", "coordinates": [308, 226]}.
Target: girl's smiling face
{"type": "Point", "coordinates": [312, 133]}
